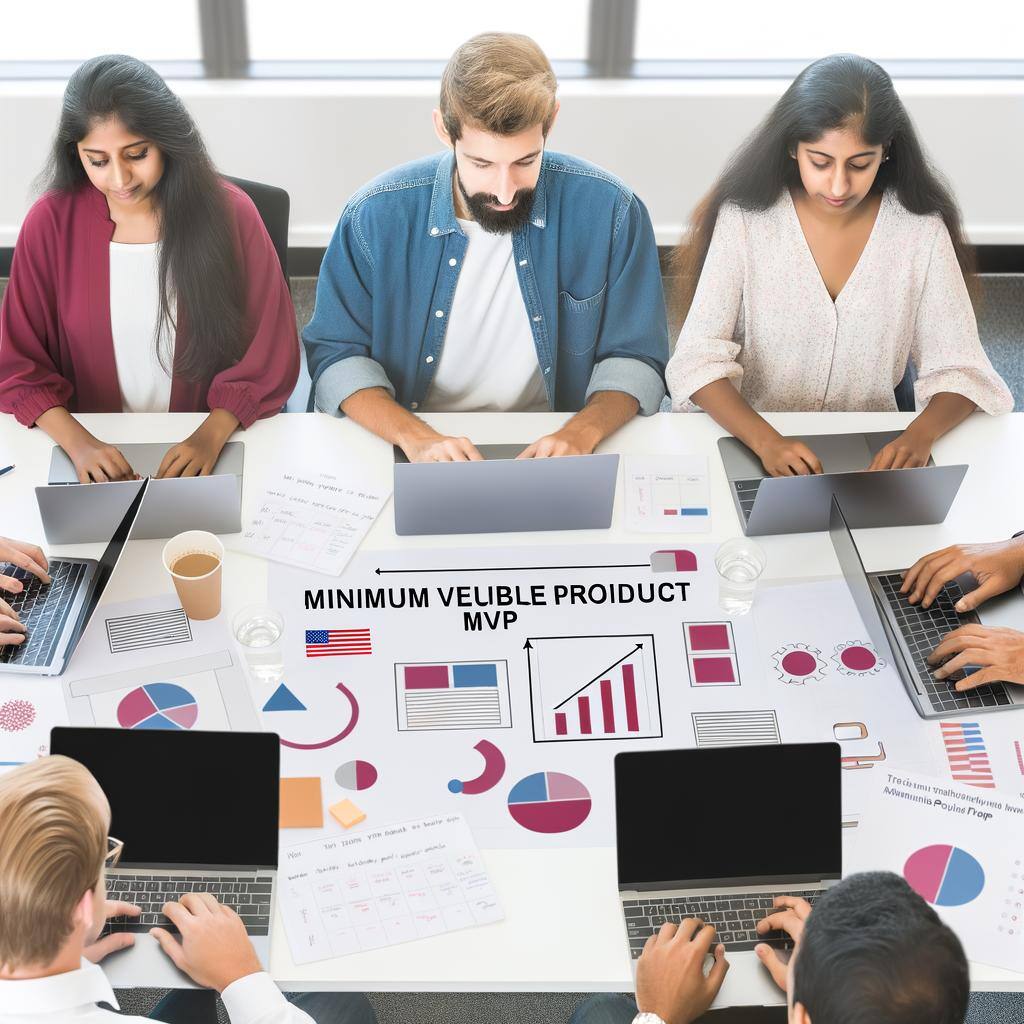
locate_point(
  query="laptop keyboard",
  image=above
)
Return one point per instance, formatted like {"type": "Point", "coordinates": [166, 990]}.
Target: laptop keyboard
{"type": "Point", "coordinates": [43, 609]}
{"type": "Point", "coordinates": [746, 491]}
{"type": "Point", "coordinates": [248, 895]}
{"type": "Point", "coordinates": [734, 915]}
{"type": "Point", "coordinates": [923, 630]}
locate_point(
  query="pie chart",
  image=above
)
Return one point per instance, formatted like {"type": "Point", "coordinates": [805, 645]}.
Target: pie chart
{"type": "Point", "coordinates": [945, 876]}
{"type": "Point", "coordinates": [549, 802]}
{"type": "Point", "coordinates": [158, 706]}
{"type": "Point", "coordinates": [356, 775]}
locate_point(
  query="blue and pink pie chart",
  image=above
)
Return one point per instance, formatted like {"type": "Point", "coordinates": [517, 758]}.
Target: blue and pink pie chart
{"type": "Point", "coordinates": [945, 876]}
{"type": "Point", "coordinates": [158, 706]}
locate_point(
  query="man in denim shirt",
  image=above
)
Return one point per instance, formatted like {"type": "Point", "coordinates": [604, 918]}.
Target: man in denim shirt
{"type": "Point", "coordinates": [494, 277]}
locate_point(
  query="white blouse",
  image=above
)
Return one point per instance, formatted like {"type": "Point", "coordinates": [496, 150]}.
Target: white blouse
{"type": "Point", "coordinates": [763, 318]}
{"type": "Point", "coordinates": [134, 317]}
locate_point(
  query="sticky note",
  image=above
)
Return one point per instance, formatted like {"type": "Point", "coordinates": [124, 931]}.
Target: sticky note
{"type": "Point", "coordinates": [346, 813]}
{"type": "Point", "coordinates": [302, 806]}
{"type": "Point", "coordinates": [713, 670]}
{"type": "Point", "coordinates": [713, 637]}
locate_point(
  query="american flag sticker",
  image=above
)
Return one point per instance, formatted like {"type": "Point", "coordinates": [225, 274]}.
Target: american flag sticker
{"type": "Point", "coordinates": [966, 753]}
{"type": "Point", "coordinates": [151, 629]}
{"type": "Point", "coordinates": [326, 643]}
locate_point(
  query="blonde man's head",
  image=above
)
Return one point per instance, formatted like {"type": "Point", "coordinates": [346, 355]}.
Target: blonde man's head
{"type": "Point", "coordinates": [53, 840]}
{"type": "Point", "coordinates": [499, 83]}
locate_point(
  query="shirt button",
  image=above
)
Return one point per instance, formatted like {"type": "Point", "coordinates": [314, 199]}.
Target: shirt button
{"type": "Point", "coordinates": [414, 405]}
{"type": "Point", "coordinates": [537, 319]}
{"type": "Point", "coordinates": [452, 262]}
{"type": "Point", "coordinates": [430, 359]}
{"type": "Point", "coordinates": [433, 231]}
{"type": "Point", "coordinates": [439, 313]}
{"type": "Point", "coordinates": [547, 369]}
{"type": "Point", "coordinates": [523, 263]}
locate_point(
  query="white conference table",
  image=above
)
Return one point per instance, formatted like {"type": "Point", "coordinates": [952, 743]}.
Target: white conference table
{"type": "Point", "coordinates": [579, 945]}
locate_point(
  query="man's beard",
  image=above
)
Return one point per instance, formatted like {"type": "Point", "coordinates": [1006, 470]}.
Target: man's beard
{"type": "Point", "coordinates": [497, 222]}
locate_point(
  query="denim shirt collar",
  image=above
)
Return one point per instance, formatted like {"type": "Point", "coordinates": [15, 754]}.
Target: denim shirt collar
{"type": "Point", "coordinates": [442, 204]}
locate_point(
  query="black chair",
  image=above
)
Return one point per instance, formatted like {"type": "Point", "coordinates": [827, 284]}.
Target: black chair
{"type": "Point", "coordinates": [905, 401]}
{"type": "Point", "coordinates": [273, 205]}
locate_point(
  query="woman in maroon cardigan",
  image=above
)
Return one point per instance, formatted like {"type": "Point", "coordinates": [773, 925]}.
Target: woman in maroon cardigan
{"type": "Point", "coordinates": [141, 282]}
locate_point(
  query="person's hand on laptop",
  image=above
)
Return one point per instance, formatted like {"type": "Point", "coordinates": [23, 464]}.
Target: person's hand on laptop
{"type": "Point", "coordinates": [562, 442]}
{"type": "Point", "coordinates": [997, 567]}
{"type": "Point", "coordinates": [94, 460]}
{"type": "Point", "coordinates": [96, 950]}
{"type": "Point", "coordinates": [215, 949]}
{"type": "Point", "coordinates": [790, 916]}
{"type": "Point", "coordinates": [911, 449]}
{"type": "Point", "coordinates": [30, 558]}
{"type": "Point", "coordinates": [998, 650]}
{"type": "Point", "coordinates": [670, 979]}
{"type": "Point", "coordinates": [435, 447]}
{"type": "Point", "coordinates": [198, 453]}
{"type": "Point", "coordinates": [785, 456]}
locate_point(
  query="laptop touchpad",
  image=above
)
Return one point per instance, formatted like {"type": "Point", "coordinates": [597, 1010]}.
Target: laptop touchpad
{"type": "Point", "coordinates": [840, 453]}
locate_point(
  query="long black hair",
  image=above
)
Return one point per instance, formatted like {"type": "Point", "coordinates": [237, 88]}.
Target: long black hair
{"type": "Point", "coordinates": [833, 92]}
{"type": "Point", "coordinates": [199, 269]}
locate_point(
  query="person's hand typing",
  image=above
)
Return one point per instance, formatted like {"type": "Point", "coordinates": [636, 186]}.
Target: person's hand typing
{"type": "Point", "coordinates": [790, 916]}
{"type": "Point", "coordinates": [438, 448]}
{"type": "Point", "coordinates": [567, 441]}
{"type": "Point", "coordinates": [198, 453]}
{"type": "Point", "coordinates": [785, 456]}
{"type": "Point", "coordinates": [998, 650]}
{"type": "Point", "coordinates": [96, 950]}
{"type": "Point", "coordinates": [997, 568]}
{"type": "Point", "coordinates": [670, 979]}
{"type": "Point", "coordinates": [911, 449]}
{"type": "Point", "coordinates": [215, 949]}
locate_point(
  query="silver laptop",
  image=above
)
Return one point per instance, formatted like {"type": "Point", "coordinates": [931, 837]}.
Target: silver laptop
{"type": "Point", "coordinates": [800, 504]}
{"type": "Point", "coordinates": [905, 634]}
{"type": "Point", "coordinates": [83, 514]}
{"type": "Point", "coordinates": [696, 838]}
{"type": "Point", "coordinates": [57, 613]}
{"type": "Point", "coordinates": [196, 812]}
{"type": "Point", "coordinates": [502, 495]}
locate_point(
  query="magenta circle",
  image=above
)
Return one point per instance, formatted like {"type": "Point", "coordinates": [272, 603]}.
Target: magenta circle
{"type": "Point", "coordinates": [799, 663]}
{"type": "Point", "coordinates": [859, 659]}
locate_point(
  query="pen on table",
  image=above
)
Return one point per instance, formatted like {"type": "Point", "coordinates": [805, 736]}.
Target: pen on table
{"type": "Point", "coordinates": [6, 469]}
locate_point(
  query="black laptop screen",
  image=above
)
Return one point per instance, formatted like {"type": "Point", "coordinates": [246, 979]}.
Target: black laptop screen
{"type": "Point", "coordinates": [184, 797]}
{"type": "Point", "coordinates": [728, 814]}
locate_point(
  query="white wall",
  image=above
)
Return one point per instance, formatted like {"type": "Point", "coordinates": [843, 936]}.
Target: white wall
{"type": "Point", "coordinates": [668, 139]}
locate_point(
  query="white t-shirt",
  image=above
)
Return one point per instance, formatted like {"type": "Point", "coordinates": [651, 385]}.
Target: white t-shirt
{"type": "Point", "coordinates": [134, 312]}
{"type": "Point", "coordinates": [488, 362]}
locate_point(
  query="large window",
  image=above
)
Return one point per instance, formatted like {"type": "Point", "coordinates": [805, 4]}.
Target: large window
{"type": "Point", "coordinates": [596, 38]}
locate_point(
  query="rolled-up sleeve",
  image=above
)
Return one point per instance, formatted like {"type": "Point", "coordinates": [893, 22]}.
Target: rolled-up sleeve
{"type": "Point", "coordinates": [30, 382]}
{"type": "Point", "coordinates": [707, 350]}
{"type": "Point", "coordinates": [260, 382]}
{"type": "Point", "coordinates": [632, 346]}
{"type": "Point", "coordinates": [339, 337]}
{"type": "Point", "coordinates": [946, 349]}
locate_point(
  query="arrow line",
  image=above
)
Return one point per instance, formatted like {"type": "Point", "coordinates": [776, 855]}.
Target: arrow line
{"type": "Point", "coordinates": [598, 676]}
{"type": "Point", "coordinates": [516, 568]}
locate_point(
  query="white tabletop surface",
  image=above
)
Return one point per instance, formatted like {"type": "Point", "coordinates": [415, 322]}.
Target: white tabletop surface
{"type": "Point", "coordinates": [579, 946]}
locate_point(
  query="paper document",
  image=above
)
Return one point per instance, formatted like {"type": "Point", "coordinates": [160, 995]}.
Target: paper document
{"type": "Point", "coordinates": [958, 847]}
{"type": "Point", "coordinates": [667, 493]}
{"type": "Point", "coordinates": [383, 886]}
{"type": "Point", "coordinates": [313, 519]}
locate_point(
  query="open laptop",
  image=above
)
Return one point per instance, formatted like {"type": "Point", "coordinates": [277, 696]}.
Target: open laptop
{"type": "Point", "coordinates": [906, 634]}
{"type": "Point", "coordinates": [696, 837]}
{"type": "Point", "coordinates": [800, 504]}
{"type": "Point", "coordinates": [57, 613]}
{"type": "Point", "coordinates": [503, 495]}
{"type": "Point", "coordinates": [197, 812]}
{"type": "Point", "coordinates": [83, 514]}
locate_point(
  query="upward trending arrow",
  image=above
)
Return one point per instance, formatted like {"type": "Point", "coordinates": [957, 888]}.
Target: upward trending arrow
{"type": "Point", "coordinates": [639, 647]}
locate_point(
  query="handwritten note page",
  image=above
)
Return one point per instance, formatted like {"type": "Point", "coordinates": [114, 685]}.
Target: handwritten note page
{"type": "Point", "coordinates": [382, 887]}
{"type": "Point", "coordinates": [315, 520]}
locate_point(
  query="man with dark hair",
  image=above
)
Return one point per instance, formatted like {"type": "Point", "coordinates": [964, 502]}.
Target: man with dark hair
{"type": "Point", "coordinates": [872, 952]}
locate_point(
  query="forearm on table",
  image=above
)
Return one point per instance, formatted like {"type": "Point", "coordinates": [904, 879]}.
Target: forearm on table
{"type": "Point", "coordinates": [376, 411]}
{"type": "Point", "coordinates": [602, 416]}
{"type": "Point", "coordinates": [943, 412]}
{"type": "Point", "coordinates": [729, 409]}
{"type": "Point", "coordinates": [61, 426]}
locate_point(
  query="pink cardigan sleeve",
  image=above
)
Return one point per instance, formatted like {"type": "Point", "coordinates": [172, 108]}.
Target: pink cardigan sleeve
{"type": "Point", "coordinates": [30, 382]}
{"type": "Point", "coordinates": [259, 384]}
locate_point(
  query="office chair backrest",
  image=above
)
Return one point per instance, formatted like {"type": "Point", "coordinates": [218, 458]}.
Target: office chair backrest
{"type": "Point", "coordinates": [273, 205]}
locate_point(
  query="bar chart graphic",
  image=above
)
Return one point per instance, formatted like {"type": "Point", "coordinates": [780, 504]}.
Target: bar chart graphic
{"type": "Point", "coordinates": [967, 754]}
{"type": "Point", "coordinates": [593, 687]}
{"type": "Point", "coordinates": [452, 695]}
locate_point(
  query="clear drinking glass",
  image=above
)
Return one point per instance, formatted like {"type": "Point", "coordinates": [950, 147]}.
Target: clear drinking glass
{"type": "Point", "coordinates": [740, 563]}
{"type": "Point", "coordinates": [258, 628]}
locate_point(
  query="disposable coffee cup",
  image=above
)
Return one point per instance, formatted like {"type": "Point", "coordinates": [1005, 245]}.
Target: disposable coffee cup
{"type": "Point", "coordinates": [194, 559]}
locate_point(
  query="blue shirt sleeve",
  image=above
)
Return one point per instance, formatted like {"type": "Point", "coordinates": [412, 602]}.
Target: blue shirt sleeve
{"type": "Point", "coordinates": [632, 347]}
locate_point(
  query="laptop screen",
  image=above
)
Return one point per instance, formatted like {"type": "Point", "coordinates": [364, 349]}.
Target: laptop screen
{"type": "Point", "coordinates": [184, 798]}
{"type": "Point", "coordinates": [730, 815]}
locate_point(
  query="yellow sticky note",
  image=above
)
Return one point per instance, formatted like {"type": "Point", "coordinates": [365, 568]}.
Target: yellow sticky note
{"type": "Point", "coordinates": [302, 806]}
{"type": "Point", "coordinates": [346, 813]}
